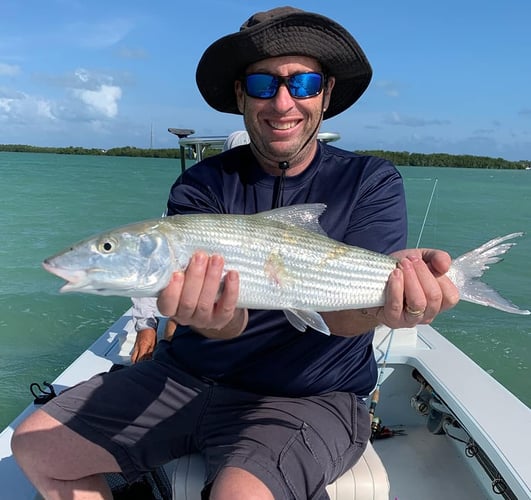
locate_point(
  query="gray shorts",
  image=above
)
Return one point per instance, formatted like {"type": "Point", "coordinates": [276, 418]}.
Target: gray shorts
{"type": "Point", "coordinates": [150, 413]}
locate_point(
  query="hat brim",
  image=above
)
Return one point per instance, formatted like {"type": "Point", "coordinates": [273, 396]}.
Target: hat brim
{"type": "Point", "coordinates": [299, 33]}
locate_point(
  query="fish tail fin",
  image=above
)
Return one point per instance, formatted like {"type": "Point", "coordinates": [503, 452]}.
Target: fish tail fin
{"type": "Point", "coordinates": [469, 267]}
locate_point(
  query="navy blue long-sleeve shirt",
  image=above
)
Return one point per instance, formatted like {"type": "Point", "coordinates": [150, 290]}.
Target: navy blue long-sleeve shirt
{"type": "Point", "coordinates": [365, 207]}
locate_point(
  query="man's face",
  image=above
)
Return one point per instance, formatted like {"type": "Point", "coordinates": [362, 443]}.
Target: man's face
{"type": "Point", "coordinates": [279, 127]}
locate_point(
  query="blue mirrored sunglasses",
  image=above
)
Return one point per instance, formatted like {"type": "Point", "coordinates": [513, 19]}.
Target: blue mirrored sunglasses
{"type": "Point", "coordinates": [299, 85]}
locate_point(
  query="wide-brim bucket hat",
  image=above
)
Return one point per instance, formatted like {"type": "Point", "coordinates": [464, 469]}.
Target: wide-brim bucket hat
{"type": "Point", "coordinates": [278, 32]}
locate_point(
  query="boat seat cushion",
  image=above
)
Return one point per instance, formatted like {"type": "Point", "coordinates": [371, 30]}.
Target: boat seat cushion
{"type": "Point", "coordinates": [366, 480]}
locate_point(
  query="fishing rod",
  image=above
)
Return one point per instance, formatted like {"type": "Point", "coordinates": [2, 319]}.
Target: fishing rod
{"type": "Point", "coordinates": [375, 421]}
{"type": "Point", "coordinates": [426, 213]}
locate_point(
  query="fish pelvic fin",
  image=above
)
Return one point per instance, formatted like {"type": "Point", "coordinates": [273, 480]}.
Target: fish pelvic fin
{"type": "Point", "coordinates": [302, 319]}
{"type": "Point", "coordinates": [469, 267]}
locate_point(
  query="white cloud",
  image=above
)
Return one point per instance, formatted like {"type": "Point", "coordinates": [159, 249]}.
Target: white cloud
{"type": "Point", "coordinates": [19, 108]}
{"type": "Point", "coordinates": [99, 35]}
{"type": "Point", "coordinates": [84, 97]}
{"type": "Point", "coordinates": [5, 106]}
{"type": "Point", "coordinates": [9, 69]}
{"type": "Point", "coordinates": [103, 100]}
{"type": "Point", "coordinates": [412, 121]}
{"type": "Point", "coordinates": [91, 96]}
{"type": "Point", "coordinates": [82, 75]}
{"type": "Point", "coordinates": [389, 88]}
{"type": "Point", "coordinates": [44, 109]}
{"type": "Point", "coordinates": [130, 53]}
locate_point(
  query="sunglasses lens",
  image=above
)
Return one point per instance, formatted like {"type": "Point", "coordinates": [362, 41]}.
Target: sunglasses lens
{"type": "Point", "coordinates": [261, 85]}
{"type": "Point", "coordinates": [305, 85]}
{"type": "Point", "coordinates": [300, 86]}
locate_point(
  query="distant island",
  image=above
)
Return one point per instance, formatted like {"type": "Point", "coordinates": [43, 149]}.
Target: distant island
{"type": "Point", "coordinates": [400, 158]}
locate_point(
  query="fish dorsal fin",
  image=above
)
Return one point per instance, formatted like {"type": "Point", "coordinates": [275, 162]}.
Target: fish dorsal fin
{"type": "Point", "coordinates": [304, 215]}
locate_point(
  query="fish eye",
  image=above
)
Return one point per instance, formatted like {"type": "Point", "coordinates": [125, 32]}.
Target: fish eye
{"type": "Point", "coordinates": [106, 246]}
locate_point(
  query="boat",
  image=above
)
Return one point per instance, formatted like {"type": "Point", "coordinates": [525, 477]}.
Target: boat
{"type": "Point", "coordinates": [442, 427]}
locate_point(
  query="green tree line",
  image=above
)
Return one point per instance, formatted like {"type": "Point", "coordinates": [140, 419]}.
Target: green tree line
{"type": "Point", "coordinates": [406, 159]}
{"type": "Point", "coordinates": [76, 150]}
{"type": "Point", "coordinates": [400, 158]}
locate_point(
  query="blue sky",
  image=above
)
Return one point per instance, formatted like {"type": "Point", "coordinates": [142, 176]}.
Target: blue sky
{"type": "Point", "coordinates": [451, 76]}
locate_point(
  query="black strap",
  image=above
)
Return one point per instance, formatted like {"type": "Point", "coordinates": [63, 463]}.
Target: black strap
{"type": "Point", "coordinates": [40, 394]}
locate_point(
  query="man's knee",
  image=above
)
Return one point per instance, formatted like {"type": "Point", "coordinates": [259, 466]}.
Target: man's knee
{"type": "Point", "coordinates": [44, 444]}
{"type": "Point", "coordinates": [236, 483]}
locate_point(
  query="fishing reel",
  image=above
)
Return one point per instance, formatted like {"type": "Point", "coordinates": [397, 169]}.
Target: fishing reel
{"type": "Point", "coordinates": [427, 403]}
{"type": "Point", "coordinates": [420, 401]}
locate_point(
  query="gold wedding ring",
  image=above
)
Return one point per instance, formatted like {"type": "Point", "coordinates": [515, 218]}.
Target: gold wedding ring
{"type": "Point", "coordinates": [413, 312]}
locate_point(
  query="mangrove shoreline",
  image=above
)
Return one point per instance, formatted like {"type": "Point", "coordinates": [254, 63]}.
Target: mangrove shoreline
{"type": "Point", "coordinates": [401, 158]}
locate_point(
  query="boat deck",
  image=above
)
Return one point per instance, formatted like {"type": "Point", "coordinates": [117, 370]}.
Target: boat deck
{"type": "Point", "coordinates": [419, 469]}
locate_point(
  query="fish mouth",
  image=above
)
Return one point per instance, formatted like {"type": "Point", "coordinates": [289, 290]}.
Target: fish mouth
{"type": "Point", "coordinates": [75, 279]}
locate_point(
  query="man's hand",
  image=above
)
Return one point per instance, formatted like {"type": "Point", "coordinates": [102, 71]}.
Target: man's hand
{"type": "Point", "coordinates": [418, 290]}
{"type": "Point", "coordinates": [191, 298]}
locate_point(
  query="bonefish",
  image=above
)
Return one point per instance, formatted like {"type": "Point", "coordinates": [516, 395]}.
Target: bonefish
{"type": "Point", "coordinates": [284, 261]}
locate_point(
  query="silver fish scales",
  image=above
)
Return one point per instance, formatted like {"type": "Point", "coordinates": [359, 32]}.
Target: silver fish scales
{"type": "Point", "coordinates": [282, 265]}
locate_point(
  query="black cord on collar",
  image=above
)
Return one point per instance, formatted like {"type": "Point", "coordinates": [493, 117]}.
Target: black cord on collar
{"type": "Point", "coordinates": [279, 185]}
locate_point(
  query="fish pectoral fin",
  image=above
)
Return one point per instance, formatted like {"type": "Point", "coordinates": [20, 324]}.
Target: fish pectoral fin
{"type": "Point", "coordinates": [302, 319]}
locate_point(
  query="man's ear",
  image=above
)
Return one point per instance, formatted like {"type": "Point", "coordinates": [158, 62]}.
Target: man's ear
{"type": "Point", "coordinates": [328, 91]}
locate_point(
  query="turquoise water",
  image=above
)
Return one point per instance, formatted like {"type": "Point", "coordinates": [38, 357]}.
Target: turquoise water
{"type": "Point", "coordinates": [49, 201]}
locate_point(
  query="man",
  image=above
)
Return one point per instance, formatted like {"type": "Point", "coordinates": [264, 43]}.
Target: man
{"type": "Point", "coordinates": [277, 413]}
